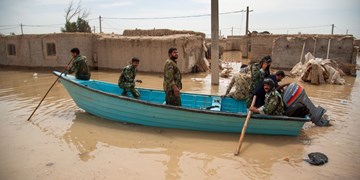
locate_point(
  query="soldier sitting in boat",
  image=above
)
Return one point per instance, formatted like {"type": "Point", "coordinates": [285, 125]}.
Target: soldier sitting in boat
{"type": "Point", "coordinates": [239, 86]}
{"type": "Point", "coordinates": [260, 92]}
{"type": "Point", "coordinates": [127, 79]}
{"type": "Point", "coordinates": [79, 66]}
{"type": "Point", "coordinates": [273, 100]}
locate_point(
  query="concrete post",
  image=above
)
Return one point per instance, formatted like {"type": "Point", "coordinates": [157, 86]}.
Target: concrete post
{"type": "Point", "coordinates": [247, 21]}
{"type": "Point", "coordinates": [215, 42]}
{"type": "Point", "coordinates": [100, 24]}
{"type": "Point", "coordinates": [22, 31]}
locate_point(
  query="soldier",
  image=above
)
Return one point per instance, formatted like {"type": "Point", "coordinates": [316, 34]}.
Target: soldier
{"type": "Point", "coordinates": [79, 65]}
{"type": "Point", "coordinates": [127, 79]}
{"type": "Point", "coordinates": [172, 79]}
{"type": "Point", "coordinates": [239, 87]}
{"type": "Point", "coordinates": [260, 92]}
{"type": "Point", "coordinates": [258, 72]}
{"type": "Point", "coordinates": [273, 101]}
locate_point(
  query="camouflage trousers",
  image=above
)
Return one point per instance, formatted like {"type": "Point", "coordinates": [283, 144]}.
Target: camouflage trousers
{"type": "Point", "coordinates": [171, 99]}
{"type": "Point", "coordinates": [132, 90]}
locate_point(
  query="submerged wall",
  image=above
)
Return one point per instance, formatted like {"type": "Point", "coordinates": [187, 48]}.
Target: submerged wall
{"type": "Point", "coordinates": [260, 46]}
{"type": "Point", "coordinates": [47, 50]}
{"type": "Point", "coordinates": [287, 49]}
{"type": "Point", "coordinates": [114, 52]}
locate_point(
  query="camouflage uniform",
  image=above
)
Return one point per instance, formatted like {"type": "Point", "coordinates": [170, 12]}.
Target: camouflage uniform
{"type": "Point", "coordinates": [239, 86]}
{"type": "Point", "coordinates": [257, 76]}
{"type": "Point", "coordinates": [80, 68]}
{"type": "Point", "coordinates": [127, 81]}
{"type": "Point", "coordinates": [172, 76]}
{"type": "Point", "coordinates": [273, 104]}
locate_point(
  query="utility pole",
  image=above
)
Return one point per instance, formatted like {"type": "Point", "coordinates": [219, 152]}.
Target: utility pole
{"type": "Point", "coordinates": [347, 31]}
{"type": "Point", "coordinates": [94, 29]}
{"type": "Point", "coordinates": [215, 42]}
{"type": "Point", "coordinates": [22, 31]}
{"type": "Point", "coordinates": [247, 21]}
{"type": "Point", "coordinates": [332, 28]}
{"type": "Point", "coordinates": [232, 31]}
{"type": "Point", "coordinates": [100, 24]}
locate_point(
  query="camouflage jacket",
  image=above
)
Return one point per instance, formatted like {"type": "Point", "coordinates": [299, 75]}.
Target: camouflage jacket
{"type": "Point", "coordinates": [257, 76]}
{"type": "Point", "coordinates": [239, 86]}
{"type": "Point", "coordinates": [80, 67]}
{"type": "Point", "coordinates": [273, 103]}
{"type": "Point", "coordinates": [172, 75]}
{"type": "Point", "coordinates": [127, 77]}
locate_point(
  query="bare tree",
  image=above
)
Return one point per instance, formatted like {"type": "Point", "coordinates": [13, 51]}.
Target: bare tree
{"type": "Point", "coordinates": [80, 25]}
{"type": "Point", "coordinates": [75, 10]}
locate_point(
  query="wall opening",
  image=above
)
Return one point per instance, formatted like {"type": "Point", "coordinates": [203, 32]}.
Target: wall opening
{"type": "Point", "coordinates": [11, 49]}
{"type": "Point", "coordinates": [50, 49]}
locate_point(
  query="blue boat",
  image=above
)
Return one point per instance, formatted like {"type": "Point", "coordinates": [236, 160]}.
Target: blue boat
{"type": "Point", "coordinates": [198, 111]}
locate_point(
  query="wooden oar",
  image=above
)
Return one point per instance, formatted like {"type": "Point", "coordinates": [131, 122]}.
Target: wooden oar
{"type": "Point", "coordinates": [49, 90]}
{"type": "Point", "coordinates": [244, 128]}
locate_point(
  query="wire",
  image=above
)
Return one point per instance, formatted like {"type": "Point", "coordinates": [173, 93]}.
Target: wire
{"type": "Point", "coordinates": [9, 25]}
{"type": "Point", "coordinates": [172, 17]}
{"type": "Point", "coordinates": [308, 27]}
{"type": "Point", "coordinates": [44, 25]}
{"type": "Point", "coordinates": [9, 28]}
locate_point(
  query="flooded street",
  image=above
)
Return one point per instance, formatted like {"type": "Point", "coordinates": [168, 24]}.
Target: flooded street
{"type": "Point", "coordinates": [64, 142]}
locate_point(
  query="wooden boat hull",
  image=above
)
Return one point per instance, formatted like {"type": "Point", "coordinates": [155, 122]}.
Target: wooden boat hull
{"type": "Point", "coordinates": [103, 100]}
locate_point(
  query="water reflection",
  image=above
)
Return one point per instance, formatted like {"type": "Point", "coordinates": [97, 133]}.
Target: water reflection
{"type": "Point", "coordinates": [139, 151]}
{"type": "Point", "coordinates": [182, 148]}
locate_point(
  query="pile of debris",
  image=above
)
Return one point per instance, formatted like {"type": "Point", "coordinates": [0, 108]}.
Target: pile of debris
{"type": "Point", "coordinates": [318, 71]}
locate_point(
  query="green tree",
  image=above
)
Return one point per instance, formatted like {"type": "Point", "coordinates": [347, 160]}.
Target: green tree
{"type": "Point", "coordinates": [81, 25]}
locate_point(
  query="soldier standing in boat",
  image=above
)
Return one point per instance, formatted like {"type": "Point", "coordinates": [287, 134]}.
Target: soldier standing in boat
{"type": "Point", "coordinates": [273, 100]}
{"type": "Point", "coordinates": [258, 71]}
{"type": "Point", "coordinates": [79, 65]}
{"type": "Point", "coordinates": [172, 79]}
{"type": "Point", "coordinates": [127, 79]}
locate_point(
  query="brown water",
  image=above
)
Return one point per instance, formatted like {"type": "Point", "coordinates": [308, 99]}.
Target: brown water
{"type": "Point", "coordinates": [64, 142]}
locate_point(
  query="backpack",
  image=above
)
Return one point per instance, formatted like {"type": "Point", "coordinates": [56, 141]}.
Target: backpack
{"type": "Point", "coordinates": [297, 110]}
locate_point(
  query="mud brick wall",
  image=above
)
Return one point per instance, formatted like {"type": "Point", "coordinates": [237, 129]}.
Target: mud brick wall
{"type": "Point", "coordinates": [115, 53]}
{"type": "Point", "coordinates": [287, 49]}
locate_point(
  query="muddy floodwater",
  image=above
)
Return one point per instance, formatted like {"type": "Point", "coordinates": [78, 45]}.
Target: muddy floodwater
{"type": "Point", "coordinates": [64, 142]}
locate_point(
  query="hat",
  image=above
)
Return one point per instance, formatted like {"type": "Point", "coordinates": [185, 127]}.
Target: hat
{"type": "Point", "coordinates": [269, 82]}
{"type": "Point", "coordinates": [267, 59]}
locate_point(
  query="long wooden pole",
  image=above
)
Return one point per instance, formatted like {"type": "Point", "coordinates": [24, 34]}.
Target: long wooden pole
{"type": "Point", "coordinates": [244, 128]}
{"type": "Point", "coordinates": [48, 91]}
{"type": "Point", "coordinates": [328, 49]}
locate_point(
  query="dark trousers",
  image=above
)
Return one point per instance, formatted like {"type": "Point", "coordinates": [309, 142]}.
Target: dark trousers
{"type": "Point", "coordinates": [171, 99]}
{"type": "Point", "coordinates": [82, 77]}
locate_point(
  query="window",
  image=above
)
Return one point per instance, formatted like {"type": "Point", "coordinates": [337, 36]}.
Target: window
{"type": "Point", "coordinates": [11, 50]}
{"type": "Point", "coordinates": [51, 49]}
